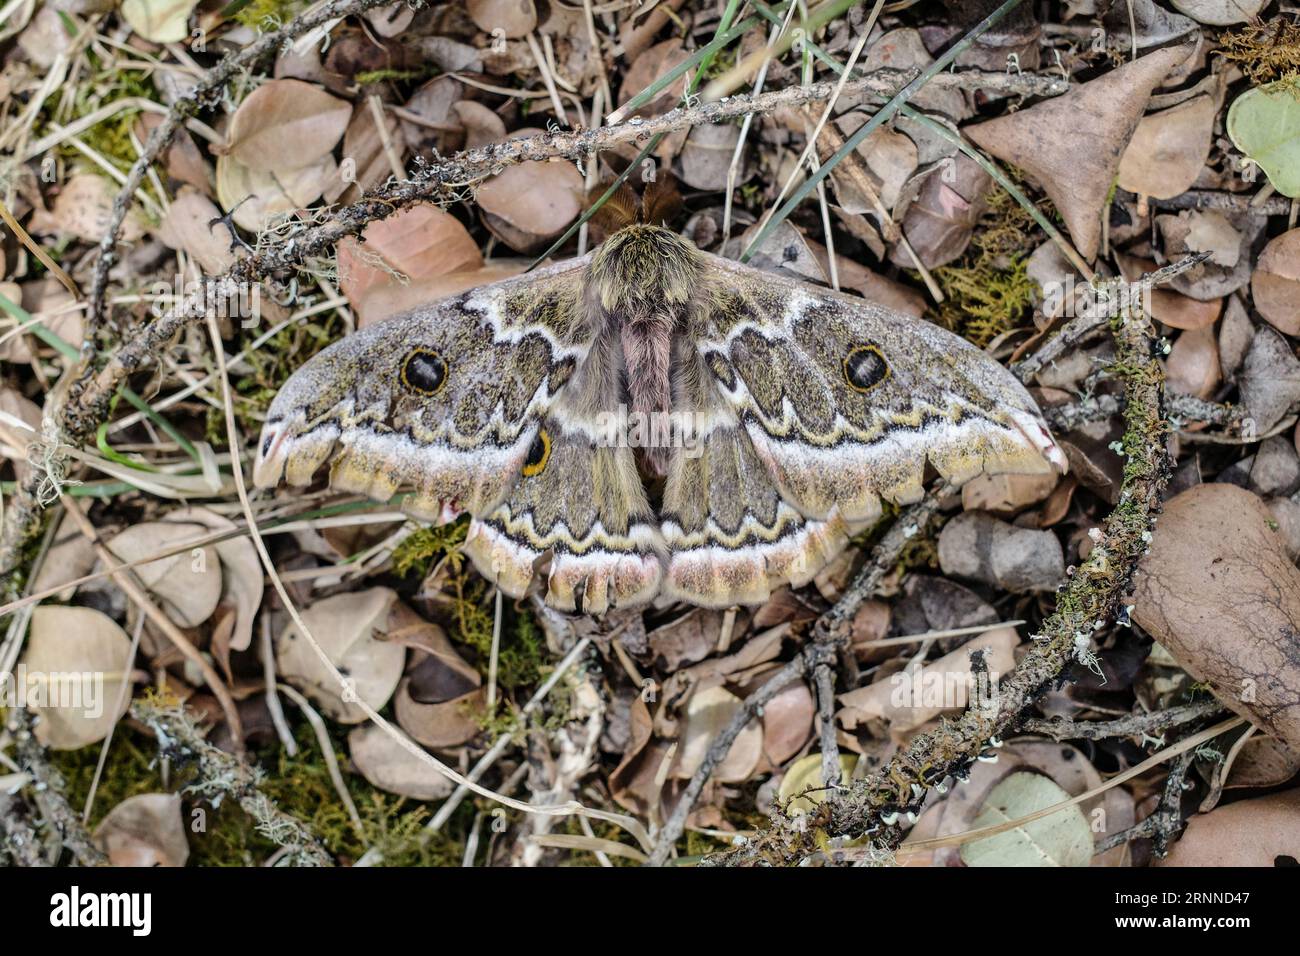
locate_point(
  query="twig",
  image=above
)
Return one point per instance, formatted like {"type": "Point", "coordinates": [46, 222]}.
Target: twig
{"type": "Point", "coordinates": [185, 107]}
{"type": "Point", "coordinates": [1135, 725]}
{"type": "Point", "coordinates": [1180, 408]}
{"type": "Point", "coordinates": [48, 791]}
{"type": "Point", "coordinates": [223, 775]}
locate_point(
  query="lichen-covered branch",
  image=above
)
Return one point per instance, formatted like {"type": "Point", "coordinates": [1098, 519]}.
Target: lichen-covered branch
{"type": "Point", "coordinates": [221, 775]}
{"type": "Point", "coordinates": [48, 791]}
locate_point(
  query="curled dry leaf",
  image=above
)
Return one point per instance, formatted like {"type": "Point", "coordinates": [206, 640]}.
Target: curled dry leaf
{"type": "Point", "coordinates": [1072, 144]}
{"type": "Point", "coordinates": [909, 698]}
{"type": "Point", "coordinates": [344, 625]}
{"type": "Point", "coordinates": [285, 125]}
{"type": "Point", "coordinates": [1275, 284]}
{"type": "Point", "coordinates": [978, 546]}
{"type": "Point", "coordinates": [707, 713]}
{"type": "Point", "coordinates": [1168, 149]}
{"type": "Point", "coordinates": [940, 220]}
{"type": "Point", "coordinates": [187, 585]}
{"type": "Point", "coordinates": [1260, 832]}
{"type": "Point", "coordinates": [144, 830]}
{"type": "Point", "coordinates": [388, 765]}
{"type": "Point", "coordinates": [1220, 592]}
{"type": "Point", "coordinates": [79, 658]}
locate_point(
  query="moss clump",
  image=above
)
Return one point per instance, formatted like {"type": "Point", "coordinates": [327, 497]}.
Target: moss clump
{"type": "Point", "coordinates": [224, 835]}
{"type": "Point", "coordinates": [989, 292]}
{"type": "Point", "coordinates": [1266, 52]}
{"type": "Point", "coordinates": [419, 551]}
{"type": "Point", "coordinates": [266, 15]}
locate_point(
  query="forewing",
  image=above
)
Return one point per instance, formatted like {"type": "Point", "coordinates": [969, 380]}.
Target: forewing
{"type": "Point", "coordinates": [846, 402]}
{"type": "Point", "coordinates": [446, 400]}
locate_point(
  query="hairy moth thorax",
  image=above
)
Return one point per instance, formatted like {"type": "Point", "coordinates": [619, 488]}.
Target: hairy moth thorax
{"type": "Point", "coordinates": [640, 283]}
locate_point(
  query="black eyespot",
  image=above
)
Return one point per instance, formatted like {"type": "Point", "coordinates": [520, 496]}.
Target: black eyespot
{"type": "Point", "coordinates": [865, 367]}
{"type": "Point", "coordinates": [539, 454]}
{"type": "Point", "coordinates": [424, 372]}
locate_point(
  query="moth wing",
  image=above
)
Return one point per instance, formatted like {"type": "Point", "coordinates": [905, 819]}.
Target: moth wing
{"type": "Point", "coordinates": [580, 506]}
{"type": "Point", "coordinates": [731, 536]}
{"type": "Point", "coordinates": [846, 402]}
{"type": "Point", "coordinates": [446, 399]}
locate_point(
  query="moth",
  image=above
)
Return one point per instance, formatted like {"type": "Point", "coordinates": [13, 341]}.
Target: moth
{"type": "Point", "coordinates": [793, 412]}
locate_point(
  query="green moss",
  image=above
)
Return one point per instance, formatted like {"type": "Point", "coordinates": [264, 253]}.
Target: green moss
{"type": "Point", "coordinates": [225, 835]}
{"type": "Point", "coordinates": [266, 15]}
{"type": "Point", "coordinates": [418, 553]}
{"type": "Point", "coordinates": [989, 292]}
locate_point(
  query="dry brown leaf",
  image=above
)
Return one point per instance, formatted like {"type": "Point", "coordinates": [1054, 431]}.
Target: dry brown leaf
{"type": "Point", "coordinates": [978, 546]}
{"type": "Point", "coordinates": [344, 625]}
{"type": "Point", "coordinates": [1269, 379]}
{"type": "Point", "coordinates": [78, 658]}
{"type": "Point", "coordinates": [189, 227]}
{"type": "Point", "coordinates": [418, 244]}
{"type": "Point", "coordinates": [82, 209]}
{"type": "Point", "coordinates": [1275, 285]}
{"type": "Point", "coordinates": [530, 204]}
{"type": "Point", "coordinates": [1072, 144]}
{"type": "Point", "coordinates": [1169, 149]}
{"type": "Point", "coordinates": [255, 198]}
{"type": "Point", "coordinates": [508, 19]}
{"type": "Point", "coordinates": [1260, 832]}
{"type": "Point", "coordinates": [908, 699]}
{"type": "Point", "coordinates": [144, 830]}
{"type": "Point", "coordinates": [286, 125]}
{"type": "Point", "coordinates": [187, 586]}
{"type": "Point", "coordinates": [1219, 591]}
{"type": "Point", "coordinates": [707, 713]}
{"type": "Point", "coordinates": [388, 765]}
{"type": "Point", "coordinates": [443, 725]}
{"type": "Point", "coordinates": [1192, 367]}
